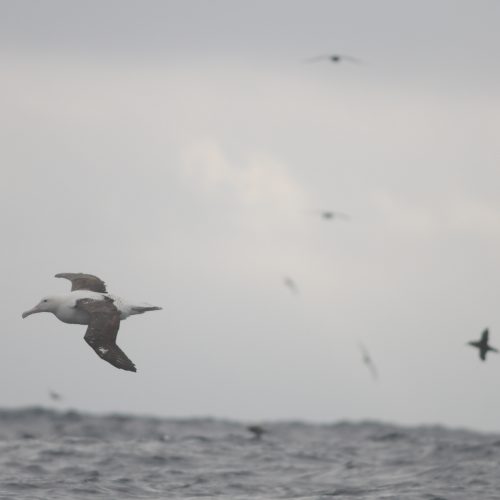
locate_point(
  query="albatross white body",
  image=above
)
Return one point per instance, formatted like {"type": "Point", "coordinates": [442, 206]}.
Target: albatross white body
{"type": "Point", "coordinates": [63, 306]}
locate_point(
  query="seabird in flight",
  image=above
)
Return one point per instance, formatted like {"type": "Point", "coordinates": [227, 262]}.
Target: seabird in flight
{"type": "Point", "coordinates": [88, 303]}
{"type": "Point", "coordinates": [55, 396]}
{"type": "Point", "coordinates": [291, 285]}
{"type": "Point", "coordinates": [367, 360]}
{"type": "Point", "coordinates": [483, 345]}
{"type": "Point", "coordinates": [330, 215]}
{"type": "Point", "coordinates": [335, 58]}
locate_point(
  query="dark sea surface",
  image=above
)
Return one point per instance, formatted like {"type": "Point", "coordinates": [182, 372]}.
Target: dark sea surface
{"type": "Point", "coordinates": [68, 455]}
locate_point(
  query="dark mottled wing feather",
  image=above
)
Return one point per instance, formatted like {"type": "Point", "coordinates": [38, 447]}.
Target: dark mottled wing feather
{"type": "Point", "coordinates": [102, 330]}
{"type": "Point", "coordinates": [82, 281]}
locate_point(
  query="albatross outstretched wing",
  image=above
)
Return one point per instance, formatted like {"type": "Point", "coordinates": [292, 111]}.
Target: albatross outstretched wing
{"type": "Point", "coordinates": [323, 57]}
{"type": "Point", "coordinates": [350, 58]}
{"type": "Point", "coordinates": [102, 330]}
{"type": "Point", "coordinates": [82, 281]}
{"type": "Point", "coordinates": [484, 336]}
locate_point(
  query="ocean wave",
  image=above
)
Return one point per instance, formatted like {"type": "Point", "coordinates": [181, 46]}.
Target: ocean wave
{"type": "Point", "coordinates": [60, 455]}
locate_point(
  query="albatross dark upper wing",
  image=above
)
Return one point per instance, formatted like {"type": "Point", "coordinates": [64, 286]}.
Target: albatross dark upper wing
{"type": "Point", "coordinates": [82, 281]}
{"type": "Point", "coordinates": [102, 330]}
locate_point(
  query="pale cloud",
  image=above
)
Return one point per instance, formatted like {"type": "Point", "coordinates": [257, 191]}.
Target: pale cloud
{"type": "Point", "coordinates": [255, 180]}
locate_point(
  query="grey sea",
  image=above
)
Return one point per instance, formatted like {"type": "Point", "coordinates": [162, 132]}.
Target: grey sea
{"type": "Point", "coordinates": [46, 454]}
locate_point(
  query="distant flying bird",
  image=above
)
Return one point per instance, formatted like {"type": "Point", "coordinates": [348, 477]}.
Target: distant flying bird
{"type": "Point", "coordinates": [257, 431]}
{"type": "Point", "coordinates": [483, 345]}
{"type": "Point", "coordinates": [367, 360]}
{"type": "Point", "coordinates": [335, 58]}
{"type": "Point", "coordinates": [55, 396]}
{"type": "Point", "coordinates": [330, 215]}
{"type": "Point", "coordinates": [88, 303]}
{"type": "Point", "coordinates": [291, 285]}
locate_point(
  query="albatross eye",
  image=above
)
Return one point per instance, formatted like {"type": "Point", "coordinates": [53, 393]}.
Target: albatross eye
{"type": "Point", "coordinates": [45, 300]}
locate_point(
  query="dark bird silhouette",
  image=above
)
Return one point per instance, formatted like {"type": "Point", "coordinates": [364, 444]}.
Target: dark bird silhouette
{"type": "Point", "coordinates": [367, 360]}
{"type": "Point", "coordinates": [335, 58]}
{"type": "Point", "coordinates": [257, 431]}
{"type": "Point", "coordinates": [330, 215]}
{"type": "Point", "coordinates": [291, 285]}
{"type": "Point", "coordinates": [55, 396]}
{"type": "Point", "coordinates": [483, 345]}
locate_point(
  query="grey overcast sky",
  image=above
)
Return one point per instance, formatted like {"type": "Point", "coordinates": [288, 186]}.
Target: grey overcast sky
{"type": "Point", "coordinates": [179, 149]}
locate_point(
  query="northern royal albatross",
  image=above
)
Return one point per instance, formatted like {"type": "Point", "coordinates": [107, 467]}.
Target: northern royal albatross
{"type": "Point", "coordinates": [88, 303]}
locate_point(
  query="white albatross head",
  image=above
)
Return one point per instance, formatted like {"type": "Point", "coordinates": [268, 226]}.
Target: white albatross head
{"type": "Point", "coordinates": [47, 304]}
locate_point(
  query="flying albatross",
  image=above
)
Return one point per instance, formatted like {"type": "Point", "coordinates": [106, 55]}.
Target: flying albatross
{"type": "Point", "coordinates": [88, 303]}
{"type": "Point", "coordinates": [483, 345]}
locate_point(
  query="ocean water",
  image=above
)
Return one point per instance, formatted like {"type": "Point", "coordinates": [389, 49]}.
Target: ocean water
{"type": "Point", "coordinates": [68, 455]}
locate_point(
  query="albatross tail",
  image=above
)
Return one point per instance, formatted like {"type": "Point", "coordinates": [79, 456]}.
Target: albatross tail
{"type": "Point", "coordinates": [127, 308]}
